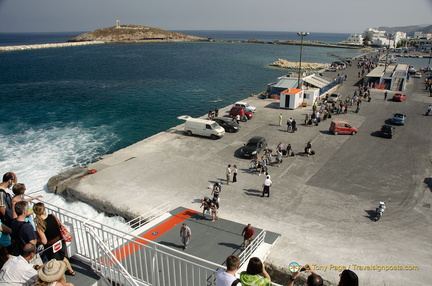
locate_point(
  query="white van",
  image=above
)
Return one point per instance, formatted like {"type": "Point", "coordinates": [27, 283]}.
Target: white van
{"type": "Point", "coordinates": [203, 127]}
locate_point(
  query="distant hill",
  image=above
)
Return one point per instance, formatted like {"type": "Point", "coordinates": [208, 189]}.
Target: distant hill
{"type": "Point", "coordinates": [133, 33]}
{"type": "Point", "coordinates": [409, 30]}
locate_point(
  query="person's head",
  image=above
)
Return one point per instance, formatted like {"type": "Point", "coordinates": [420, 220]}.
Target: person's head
{"type": "Point", "coordinates": [249, 225]}
{"type": "Point", "coordinates": [21, 208]}
{"type": "Point", "coordinates": [19, 189]}
{"type": "Point", "coordinates": [233, 262]}
{"type": "Point", "coordinates": [235, 166]}
{"type": "Point", "coordinates": [10, 177]}
{"type": "Point", "coordinates": [39, 208]}
{"type": "Point", "coordinates": [229, 165]}
{"type": "Point", "coordinates": [268, 177]}
{"type": "Point", "coordinates": [184, 225]}
{"type": "Point", "coordinates": [314, 280]}
{"type": "Point", "coordinates": [255, 266]}
{"type": "Point", "coordinates": [29, 251]}
{"type": "Point", "coordinates": [348, 278]}
{"type": "Point", "coordinates": [52, 271]}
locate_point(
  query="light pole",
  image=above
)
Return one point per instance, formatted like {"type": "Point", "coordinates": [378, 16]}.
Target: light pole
{"type": "Point", "coordinates": [301, 34]}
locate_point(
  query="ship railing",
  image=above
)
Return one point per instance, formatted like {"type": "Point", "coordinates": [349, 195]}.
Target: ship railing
{"type": "Point", "coordinates": [146, 261]}
{"type": "Point", "coordinates": [149, 216]}
{"type": "Point", "coordinates": [252, 247]}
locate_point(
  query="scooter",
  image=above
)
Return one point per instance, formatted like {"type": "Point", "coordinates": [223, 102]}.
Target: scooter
{"type": "Point", "coordinates": [379, 211]}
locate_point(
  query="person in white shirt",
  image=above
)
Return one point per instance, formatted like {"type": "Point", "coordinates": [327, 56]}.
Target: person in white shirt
{"type": "Point", "coordinates": [228, 278]}
{"type": "Point", "coordinates": [266, 186]}
{"type": "Point", "coordinates": [17, 271]}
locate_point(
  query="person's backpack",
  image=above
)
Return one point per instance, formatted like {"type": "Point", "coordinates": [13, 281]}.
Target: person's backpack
{"type": "Point", "coordinates": [236, 282]}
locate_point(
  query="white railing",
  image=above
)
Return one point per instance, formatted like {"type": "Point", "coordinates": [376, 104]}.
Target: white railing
{"type": "Point", "coordinates": [252, 247]}
{"type": "Point", "coordinates": [132, 260]}
{"type": "Point", "coordinates": [149, 216]}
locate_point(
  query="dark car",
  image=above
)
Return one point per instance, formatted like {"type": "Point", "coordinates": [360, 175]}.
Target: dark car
{"type": "Point", "coordinates": [253, 146]}
{"type": "Point", "coordinates": [387, 130]}
{"type": "Point", "coordinates": [399, 97]}
{"type": "Point", "coordinates": [227, 123]}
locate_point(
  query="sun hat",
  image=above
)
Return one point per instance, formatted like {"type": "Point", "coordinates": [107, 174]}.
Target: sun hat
{"type": "Point", "coordinates": [52, 271]}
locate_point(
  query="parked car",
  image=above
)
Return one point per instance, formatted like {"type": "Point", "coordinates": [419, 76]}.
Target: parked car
{"type": "Point", "coordinates": [253, 146]}
{"type": "Point", "coordinates": [240, 111]}
{"type": "Point", "coordinates": [399, 118]}
{"type": "Point", "coordinates": [245, 105]}
{"type": "Point", "coordinates": [399, 97]}
{"type": "Point", "coordinates": [331, 69]}
{"type": "Point", "coordinates": [387, 130]}
{"type": "Point", "coordinates": [227, 123]}
{"type": "Point", "coordinates": [342, 127]}
{"type": "Point", "coordinates": [333, 97]}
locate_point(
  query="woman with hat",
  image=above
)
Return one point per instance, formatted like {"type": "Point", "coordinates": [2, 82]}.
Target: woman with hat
{"type": "Point", "coordinates": [52, 274]}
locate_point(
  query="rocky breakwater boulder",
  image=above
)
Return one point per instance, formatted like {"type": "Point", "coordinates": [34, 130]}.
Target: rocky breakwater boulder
{"type": "Point", "coordinates": [134, 34]}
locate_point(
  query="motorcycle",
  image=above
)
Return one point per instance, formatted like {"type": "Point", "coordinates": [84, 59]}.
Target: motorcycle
{"type": "Point", "coordinates": [379, 211]}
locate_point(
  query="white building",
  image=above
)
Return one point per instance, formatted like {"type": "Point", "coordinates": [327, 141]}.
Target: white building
{"type": "Point", "coordinates": [421, 35]}
{"type": "Point", "coordinates": [381, 38]}
{"type": "Point", "coordinates": [354, 40]}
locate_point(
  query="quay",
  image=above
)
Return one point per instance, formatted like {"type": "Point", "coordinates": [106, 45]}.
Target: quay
{"type": "Point", "coordinates": [321, 205]}
{"type": "Point", "coordinates": [46, 46]}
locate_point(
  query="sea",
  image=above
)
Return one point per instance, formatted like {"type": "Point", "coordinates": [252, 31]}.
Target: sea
{"type": "Point", "coordinates": [66, 107]}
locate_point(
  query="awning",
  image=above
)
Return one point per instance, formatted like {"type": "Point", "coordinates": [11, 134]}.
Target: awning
{"type": "Point", "coordinates": [317, 81]}
{"type": "Point", "coordinates": [286, 82]}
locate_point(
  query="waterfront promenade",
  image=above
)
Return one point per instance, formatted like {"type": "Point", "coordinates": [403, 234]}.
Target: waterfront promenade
{"type": "Point", "coordinates": [322, 205]}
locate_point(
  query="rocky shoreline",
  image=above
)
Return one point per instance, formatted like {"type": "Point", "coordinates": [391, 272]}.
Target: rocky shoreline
{"type": "Point", "coordinates": [46, 46]}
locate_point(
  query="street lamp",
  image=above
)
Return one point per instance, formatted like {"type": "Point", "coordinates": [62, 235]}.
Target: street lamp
{"type": "Point", "coordinates": [301, 34]}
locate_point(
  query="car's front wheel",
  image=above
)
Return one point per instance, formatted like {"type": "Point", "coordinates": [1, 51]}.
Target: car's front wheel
{"type": "Point", "coordinates": [189, 133]}
{"type": "Point", "coordinates": [213, 137]}
{"type": "Point", "coordinates": [353, 133]}
{"type": "Point", "coordinates": [336, 133]}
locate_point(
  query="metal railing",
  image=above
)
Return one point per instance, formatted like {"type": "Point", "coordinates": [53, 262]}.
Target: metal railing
{"type": "Point", "coordinates": [252, 247]}
{"type": "Point", "coordinates": [132, 260]}
{"type": "Point", "coordinates": [149, 216]}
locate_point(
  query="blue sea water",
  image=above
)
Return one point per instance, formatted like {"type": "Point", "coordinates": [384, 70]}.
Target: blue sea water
{"type": "Point", "coordinates": [66, 107]}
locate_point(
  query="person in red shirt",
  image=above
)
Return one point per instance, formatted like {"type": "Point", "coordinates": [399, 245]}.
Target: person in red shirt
{"type": "Point", "coordinates": [247, 233]}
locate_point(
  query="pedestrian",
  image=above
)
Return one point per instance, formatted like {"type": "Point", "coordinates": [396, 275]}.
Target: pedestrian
{"type": "Point", "coordinates": [385, 95]}
{"type": "Point", "coordinates": [279, 146]}
{"type": "Point", "coordinates": [228, 278]}
{"type": "Point", "coordinates": [216, 112]}
{"type": "Point", "coordinates": [289, 125]}
{"type": "Point", "coordinates": [308, 148]}
{"type": "Point", "coordinates": [247, 233]}
{"type": "Point", "coordinates": [255, 274]}
{"type": "Point", "coordinates": [237, 118]}
{"type": "Point", "coordinates": [216, 193]}
{"type": "Point", "coordinates": [428, 110]}
{"type": "Point", "coordinates": [214, 211]}
{"type": "Point", "coordinates": [266, 186]}
{"type": "Point", "coordinates": [279, 157]}
{"type": "Point", "coordinates": [228, 174]}
{"type": "Point", "coordinates": [280, 119]}
{"type": "Point", "coordinates": [263, 165]}
{"type": "Point", "coordinates": [294, 125]}
{"type": "Point", "coordinates": [289, 151]}
{"type": "Point", "coordinates": [185, 234]}
{"type": "Point", "coordinates": [234, 171]}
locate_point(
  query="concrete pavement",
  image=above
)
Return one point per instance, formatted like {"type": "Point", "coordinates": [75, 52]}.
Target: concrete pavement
{"type": "Point", "coordinates": [322, 205]}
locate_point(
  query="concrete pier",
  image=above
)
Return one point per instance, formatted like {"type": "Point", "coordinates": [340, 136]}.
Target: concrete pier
{"type": "Point", "coordinates": [46, 46]}
{"type": "Point", "coordinates": [322, 205]}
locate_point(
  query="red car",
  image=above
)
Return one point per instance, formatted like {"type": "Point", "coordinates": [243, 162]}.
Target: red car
{"type": "Point", "coordinates": [399, 97]}
{"type": "Point", "coordinates": [240, 110]}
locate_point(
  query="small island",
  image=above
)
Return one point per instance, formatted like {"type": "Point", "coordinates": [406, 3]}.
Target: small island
{"type": "Point", "coordinates": [133, 34]}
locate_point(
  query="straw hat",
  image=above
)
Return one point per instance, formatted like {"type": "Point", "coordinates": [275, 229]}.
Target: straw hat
{"type": "Point", "coordinates": [52, 271]}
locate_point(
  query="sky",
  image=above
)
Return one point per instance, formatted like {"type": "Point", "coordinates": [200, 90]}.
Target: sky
{"type": "Point", "coordinates": [331, 16]}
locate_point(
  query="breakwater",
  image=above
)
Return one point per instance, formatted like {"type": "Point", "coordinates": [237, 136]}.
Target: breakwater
{"type": "Point", "coordinates": [45, 46]}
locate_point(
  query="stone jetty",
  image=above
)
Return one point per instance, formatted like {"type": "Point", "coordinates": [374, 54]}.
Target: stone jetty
{"type": "Point", "coordinates": [46, 46]}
